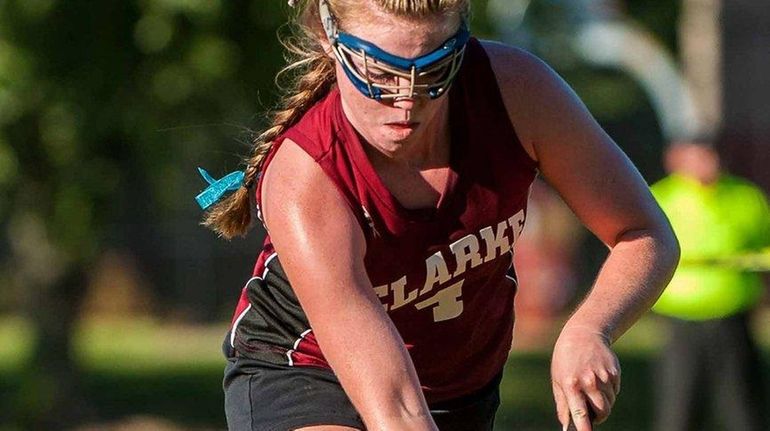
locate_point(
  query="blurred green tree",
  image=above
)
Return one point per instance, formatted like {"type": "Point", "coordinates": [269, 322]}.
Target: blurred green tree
{"type": "Point", "coordinates": [86, 92]}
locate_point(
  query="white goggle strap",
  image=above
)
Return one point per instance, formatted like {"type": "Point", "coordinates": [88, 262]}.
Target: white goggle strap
{"type": "Point", "coordinates": [366, 74]}
{"type": "Point", "coordinates": [413, 80]}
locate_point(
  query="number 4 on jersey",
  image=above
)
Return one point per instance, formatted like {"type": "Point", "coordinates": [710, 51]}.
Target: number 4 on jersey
{"type": "Point", "coordinates": [447, 302]}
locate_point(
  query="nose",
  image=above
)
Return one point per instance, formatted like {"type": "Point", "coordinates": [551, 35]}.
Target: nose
{"type": "Point", "coordinates": [405, 103]}
{"type": "Point", "coordinates": [405, 100]}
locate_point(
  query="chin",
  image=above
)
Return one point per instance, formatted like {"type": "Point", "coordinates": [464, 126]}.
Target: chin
{"type": "Point", "coordinates": [391, 146]}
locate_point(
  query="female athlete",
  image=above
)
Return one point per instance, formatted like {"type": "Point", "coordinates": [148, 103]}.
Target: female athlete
{"type": "Point", "coordinates": [393, 184]}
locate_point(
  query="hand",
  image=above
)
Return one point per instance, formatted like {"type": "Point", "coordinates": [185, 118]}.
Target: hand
{"type": "Point", "coordinates": [585, 374]}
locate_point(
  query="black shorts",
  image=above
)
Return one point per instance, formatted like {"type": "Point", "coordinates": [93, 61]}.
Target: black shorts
{"type": "Point", "coordinates": [260, 396]}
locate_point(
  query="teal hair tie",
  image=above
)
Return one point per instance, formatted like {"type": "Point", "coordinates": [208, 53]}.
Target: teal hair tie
{"type": "Point", "coordinates": [217, 188]}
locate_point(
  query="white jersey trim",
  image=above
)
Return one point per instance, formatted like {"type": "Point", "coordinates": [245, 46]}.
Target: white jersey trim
{"type": "Point", "coordinates": [237, 321]}
{"type": "Point", "coordinates": [267, 262]}
{"type": "Point", "coordinates": [296, 344]}
{"type": "Point", "coordinates": [510, 268]}
{"type": "Point", "coordinates": [243, 313]}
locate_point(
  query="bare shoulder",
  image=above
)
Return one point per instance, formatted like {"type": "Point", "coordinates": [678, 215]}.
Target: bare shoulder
{"type": "Point", "coordinates": [533, 93]}
{"type": "Point", "coordinates": [515, 66]}
{"type": "Point", "coordinates": [288, 178]}
{"type": "Point", "coordinates": [290, 171]}
{"type": "Point", "coordinates": [298, 196]}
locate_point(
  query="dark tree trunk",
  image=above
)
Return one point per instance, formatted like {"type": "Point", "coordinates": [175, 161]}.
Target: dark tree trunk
{"type": "Point", "coordinates": [52, 396]}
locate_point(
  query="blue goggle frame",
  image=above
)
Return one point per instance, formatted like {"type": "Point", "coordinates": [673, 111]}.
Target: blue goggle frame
{"type": "Point", "coordinates": [444, 61]}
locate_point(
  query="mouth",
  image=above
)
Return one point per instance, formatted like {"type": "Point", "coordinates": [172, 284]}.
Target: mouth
{"type": "Point", "coordinates": [403, 125]}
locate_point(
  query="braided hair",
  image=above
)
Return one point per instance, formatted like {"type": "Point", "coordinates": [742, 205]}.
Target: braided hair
{"type": "Point", "coordinates": [313, 72]}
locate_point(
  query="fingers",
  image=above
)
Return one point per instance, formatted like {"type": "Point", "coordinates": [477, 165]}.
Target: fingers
{"type": "Point", "coordinates": [611, 376]}
{"type": "Point", "coordinates": [572, 407]}
{"type": "Point", "coordinates": [600, 389]}
{"type": "Point", "coordinates": [599, 407]}
{"type": "Point", "coordinates": [607, 387]}
{"type": "Point", "coordinates": [615, 379]}
{"type": "Point", "coordinates": [586, 401]}
{"type": "Point", "coordinates": [562, 406]}
{"type": "Point", "coordinates": [579, 410]}
{"type": "Point", "coordinates": [586, 378]}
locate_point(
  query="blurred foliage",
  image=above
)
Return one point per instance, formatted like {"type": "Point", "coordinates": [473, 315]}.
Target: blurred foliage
{"type": "Point", "coordinates": [659, 17]}
{"type": "Point", "coordinates": [107, 107]}
{"type": "Point", "coordinates": [86, 86]}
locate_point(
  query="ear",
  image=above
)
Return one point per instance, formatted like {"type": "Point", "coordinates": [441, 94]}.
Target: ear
{"type": "Point", "coordinates": [326, 46]}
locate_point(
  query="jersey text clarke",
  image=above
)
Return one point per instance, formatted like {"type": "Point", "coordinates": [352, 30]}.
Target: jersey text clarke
{"type": "Point", "coordinates": [442, 290]}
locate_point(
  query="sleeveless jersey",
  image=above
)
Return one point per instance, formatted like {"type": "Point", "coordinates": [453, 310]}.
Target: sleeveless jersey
{"type": "Point", "coordinates": [444, 275]}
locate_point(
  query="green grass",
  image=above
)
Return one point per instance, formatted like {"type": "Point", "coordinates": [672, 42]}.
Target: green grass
{"type": "Point", "coordinates": [148, 346]}
{"type": "Point", "coordinates": [143, 367]}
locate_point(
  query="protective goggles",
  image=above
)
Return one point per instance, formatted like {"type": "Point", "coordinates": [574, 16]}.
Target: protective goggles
{"type": "Point", "coordinates": [380, 75]}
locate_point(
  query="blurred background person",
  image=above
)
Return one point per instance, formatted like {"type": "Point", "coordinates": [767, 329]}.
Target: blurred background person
{"type": "Point", "coordinates": [707, 304]}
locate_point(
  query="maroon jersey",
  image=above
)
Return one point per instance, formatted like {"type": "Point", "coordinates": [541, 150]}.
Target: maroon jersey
{"type": "Point", "coordinates": [444, 275]}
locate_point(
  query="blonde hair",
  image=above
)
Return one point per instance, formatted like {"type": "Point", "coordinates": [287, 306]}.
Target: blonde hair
{"type": "Point", "coordinates": [312, 77]}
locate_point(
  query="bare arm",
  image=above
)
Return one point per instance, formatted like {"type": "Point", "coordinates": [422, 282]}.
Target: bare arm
{"type": "Point", "coordinates": [610, 197]}
{"type": "Point", "coordinates": [321, 247]}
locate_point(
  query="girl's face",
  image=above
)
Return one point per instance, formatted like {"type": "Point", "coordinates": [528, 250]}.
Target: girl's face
{"type": "Point", "coordinates": [397, 126]}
